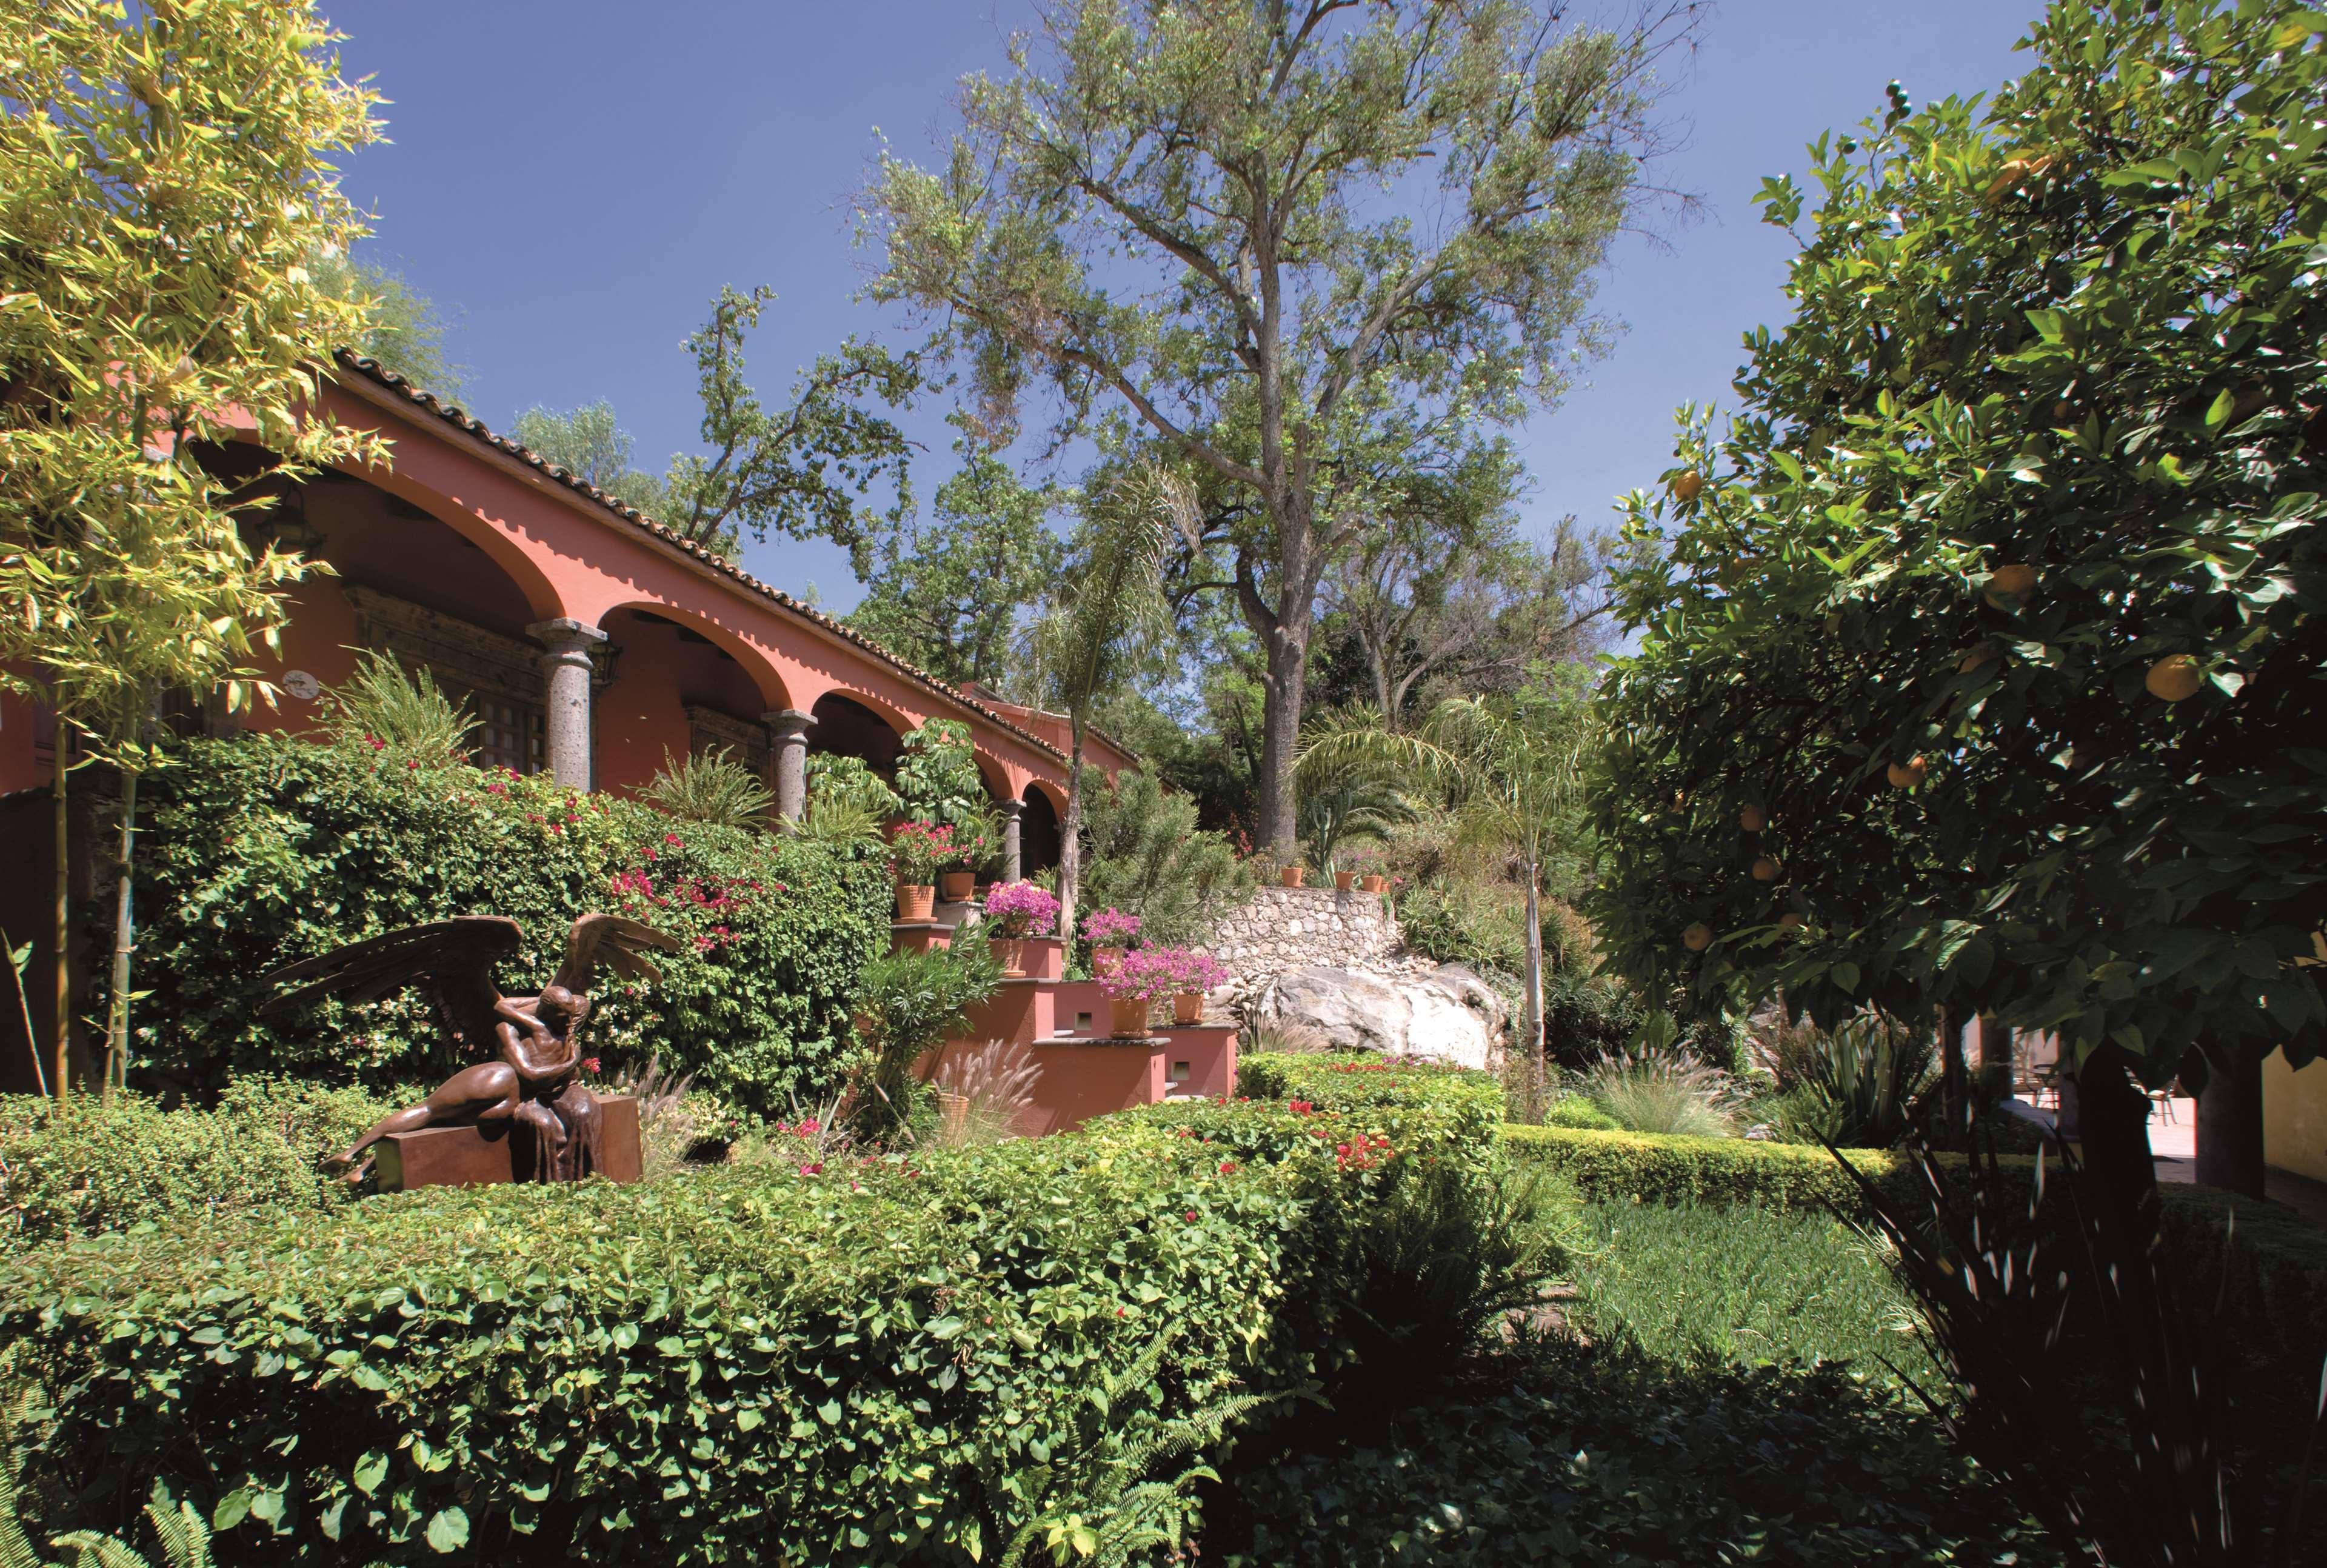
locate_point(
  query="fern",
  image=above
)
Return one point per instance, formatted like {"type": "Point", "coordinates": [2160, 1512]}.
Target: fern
{"type": "Point", "coordinates": [407, 714]}
{"type": "Point", "coordinates": [184, 1539]}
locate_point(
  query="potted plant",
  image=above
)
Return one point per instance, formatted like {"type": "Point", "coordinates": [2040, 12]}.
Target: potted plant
{"type": "Point", "coordinates": [1195, 973]}
{"type": "Point", "coordinates": [1344, 881]}
{"type": "Point", "coordinates": [1018, 910]}
{"type": "Point", "coordinates": [958, 884]}
{"type": "Point", "coordinates": [939, 780]}
{"type": "Point", "coordinates": [1291, 873]}
{"type": "Point", "coordinates": [1133, 983]}
{"type": "Point", "coordinates": [921, 850]}
{"type": "Point", "coordinates": [1108, 931]}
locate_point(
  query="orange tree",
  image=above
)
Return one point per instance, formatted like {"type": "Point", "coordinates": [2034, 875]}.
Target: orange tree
{"type": "Point", "coordinates": [1980, 659]}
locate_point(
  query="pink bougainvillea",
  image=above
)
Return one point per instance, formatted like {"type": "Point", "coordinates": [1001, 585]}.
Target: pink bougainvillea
{"type": "Point", "coordinates": [1023, 910]}
{"type": "Point", "coordinates": [1111, 928]}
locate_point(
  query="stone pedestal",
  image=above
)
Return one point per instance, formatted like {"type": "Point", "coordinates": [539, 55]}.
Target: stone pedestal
{"type": "Point", "coordinates": [478, 1156]}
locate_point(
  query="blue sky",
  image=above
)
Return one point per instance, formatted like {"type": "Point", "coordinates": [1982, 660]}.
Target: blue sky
{"type": "Point", "coordinates": [574, 182]}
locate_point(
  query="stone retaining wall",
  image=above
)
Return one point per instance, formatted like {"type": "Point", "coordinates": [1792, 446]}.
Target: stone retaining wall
{"type": "Point", "coordinates": [1296, 928]}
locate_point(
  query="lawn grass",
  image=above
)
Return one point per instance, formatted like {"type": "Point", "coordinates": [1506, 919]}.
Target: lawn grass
{"type": "Point", "coordinates": [1741, 1287]}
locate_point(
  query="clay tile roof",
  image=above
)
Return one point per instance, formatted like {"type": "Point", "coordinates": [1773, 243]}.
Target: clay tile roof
{"type": "Point", "coordinates": [453, 414]}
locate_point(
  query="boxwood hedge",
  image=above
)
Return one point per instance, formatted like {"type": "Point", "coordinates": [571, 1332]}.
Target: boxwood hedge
{"type": "Point", "coordinates": [265, 849]}
{"type": "Point", "coordinates": [899, 1360]}
{"type": "Point", "coordinates": [1360, 1080]}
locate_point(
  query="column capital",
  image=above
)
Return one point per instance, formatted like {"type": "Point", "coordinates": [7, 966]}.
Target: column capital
{"type": "Point", "coordinates": [566, 636]}
{"type": "Point", "coordinates": [1009, 808]}
{"type": "Point", "coordinates": [788, 723]}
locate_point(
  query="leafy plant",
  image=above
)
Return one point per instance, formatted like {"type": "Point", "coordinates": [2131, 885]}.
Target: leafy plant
{"type": "Point", "coordinates": [921, 850]}
{"type": "Point", "coordinates": [835, 781]}
{"type": "Point", "coordinates": [397, 710]}
{"type": "Point", "coordinates": [1661, 1091]}
{"type": "Point", "coordinates": [1353, 806]}
{"type": "Point", "coordinates": [938, 781]}
{"type": "Point", "coordinates": [710, 787]}
{"type": "Point", "coordinates": [907, 1003]}
{"type": "Point", "coordinates": [1148, 858]}
{"type": "Point", "coordinates": [1856, 1085]}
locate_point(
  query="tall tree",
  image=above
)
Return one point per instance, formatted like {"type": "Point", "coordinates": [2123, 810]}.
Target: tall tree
{"type": "Point", "coordinates": [1104, 624]}
{"type": "Point", "coordinates": [949, 595]}
{"type": "Point", "coordinates": [1981, 664]}
{"type": "Point", "coordinates": [1311, 249]}
{"type": "Point", "coordinates": [165, 180]}
{"type": "Point", "coordinates": [403, 329]}
{"type": "Point", "coordinates": [589, 444]}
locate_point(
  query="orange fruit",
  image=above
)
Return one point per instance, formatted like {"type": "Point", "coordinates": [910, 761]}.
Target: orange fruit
{"type": "Point", "coordinates": [1698, 938]}
{"type": "Point", "coordinates": [1752, 819]}
{"type": "Point", "coordinates": [2175, 678]}
{"type": "Point", "coordinates": [1984, 654]}
{"type": "Point", "coordinates": [1765, 869]}
{"type": "Point", "coordinates": [2018, 583]}
{"type": "Point", "coordinates": [1686, 487]}
{"type": "Point", "coordinates": [1790, 922]}
{"type": "Point", "coordinates": [1906, 775]}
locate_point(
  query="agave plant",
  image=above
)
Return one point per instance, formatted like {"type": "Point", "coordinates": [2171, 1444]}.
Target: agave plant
{"type": "Point", "coordinates": [1662, 1092]}
{"type": "Point", "coordinates": [710, 787]}
{"type": "Point", "coordinates": [1855, 1085]}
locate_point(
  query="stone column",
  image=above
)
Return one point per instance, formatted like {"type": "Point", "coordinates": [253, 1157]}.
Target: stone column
{"type": "Point", "coordinates": [566, 719]}
{"type": "Point", "coordinates": [790, 727]}
{"type": "Point", "coordinates": [1012, 810]}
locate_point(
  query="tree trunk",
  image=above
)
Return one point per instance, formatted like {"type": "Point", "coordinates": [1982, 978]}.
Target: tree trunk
{"type": "Point", "coordinates": [61, 934]}
{"type": "Point", "coordinates": [1532, 1024]}
{"type": "Point", "coordinates": [2229, 1123]}
{"type": "Point", "coordinates": [2113, 1118]}
{"type": "Point", "coordinates": [1283, 687]}
{"type": "Point", "coordinates": [116, 1016]}
{"type": "Point", "coordinates": [1071, 832]}
{"type": "Point", "coordinates": [1954, 1091]}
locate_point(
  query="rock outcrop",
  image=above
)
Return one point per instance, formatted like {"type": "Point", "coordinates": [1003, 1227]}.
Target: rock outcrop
{"type": "Point", "coordinates": [1443, 1014]}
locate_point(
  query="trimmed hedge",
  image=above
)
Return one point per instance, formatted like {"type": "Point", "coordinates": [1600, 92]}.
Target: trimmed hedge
{"type": "Point", "coordinates": [2276, 1260]}
{"type": "Point", "coordinates": [885, 1362]}
{"type": "Point", "coordinates": [1471, 1101]}
{"type": "Point", "coordinates": [266, 848]}
{"type": "Point", "coordinates": [91, 1167]}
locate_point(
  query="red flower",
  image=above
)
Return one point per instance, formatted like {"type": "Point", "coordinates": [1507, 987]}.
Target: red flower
{"type": "Point", "coordinates": [1300, 1107]}
{"type": "Point", "coordinates": [1192, 1217]}
{"type": "Point", "coordinates": [590, 1064]}
{"type": "Point", "coordinates": [674, 841]}
{"type": "Point", "coordinates": [813, 1168]}
{"type": "Point", "coordinates": [1227, 1167]}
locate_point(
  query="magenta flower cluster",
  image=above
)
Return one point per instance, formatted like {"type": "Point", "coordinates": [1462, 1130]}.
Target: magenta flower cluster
{"type": "Point", "coordinates": [1152, 972]}
{"type": "Point", "coordinates": [1111, 928]}
{"type": "Point", "coordinates": [1023, 910]}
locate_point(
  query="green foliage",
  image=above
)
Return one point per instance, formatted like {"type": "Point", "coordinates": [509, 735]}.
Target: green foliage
{"type": "Point", "coordinates": [907, 1003]}
{"type": "Point", "coordinates": [1147, 857]}
{"type": "Point", "coordinates": [1578, 1111]}
{"type": "Point", "coordinates": [947, 595]}
{"type": "Point", "coordinates": [838, 780]}
{"type": "Point", "coordinates": [268, 849]}
{"type": "Point", "coordinates": [1661, 1092]}
{"type": "Point", "coordinates": [2072, 333]}
{"type": "Point", "coordinates": [1562, 1454]}
{"type": "Point", "coordinates": [587, 443]}
{"type": "Point", "coordinates": [1352, 807]}
{"type": "Point", "coordinates": [712, 787]}
{"type": "Point", "coordinates": [403, 330]}
{"type": "Point", "coordinates": [1470, 1102]}
{"type": "Point", "coordinates": [399, 712]}
{"type": "Point", "coordinates": [893, 1362]}
{"type": "Point", "coordinates": [86, 1167]}
{"type": "Point", "coordinates": [1856, 1085]}
{"type": "Point", "coordinates": [938, 781]}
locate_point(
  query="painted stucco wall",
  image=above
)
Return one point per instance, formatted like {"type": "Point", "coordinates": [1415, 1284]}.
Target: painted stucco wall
{"type": "Point", "coordinates": [2295, 1116]}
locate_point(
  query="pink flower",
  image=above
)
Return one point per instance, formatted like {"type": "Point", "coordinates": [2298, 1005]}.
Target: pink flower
{"type": "Point", "coordinates": [1109, 928]}
{"type": "Point", "coordinates": [1192, 1217]}
{"type": "Point", "coordinates": [590, 1064]}
{"type": "Point", "coordinates": [812, 1168]}
{"type": "Point", "coordinates": [809, 1128]}
{"type": "Point", "coordinates": [674, 841]}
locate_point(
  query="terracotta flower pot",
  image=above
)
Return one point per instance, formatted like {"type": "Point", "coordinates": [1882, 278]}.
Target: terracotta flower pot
{"type": "Point", "coordinates": [956, 886]}
{"type": "Point", "coordinates": [1010, 952]}
{"type": "Point", "coordinates": [953, 1116]}
{"type": "Point", "coordinates": [1105, 959]}
{"type": "Point", "coordinates": [1187, 1006]}
{"type": "Point", "coordinates": [1344, 881]}
{"type": "Point", "coordinates": [1372, 884]}
{"type": "Point", "coordinates": [1127, 1016]}
{"type": "Point", "coordinates": [916, 903]}
{"type": "Point", "coordinates": [1290, 876]}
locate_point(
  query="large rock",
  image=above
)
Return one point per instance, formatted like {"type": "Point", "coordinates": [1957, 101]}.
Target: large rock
{"type": "Point", "coordinates": [1447, 1014]}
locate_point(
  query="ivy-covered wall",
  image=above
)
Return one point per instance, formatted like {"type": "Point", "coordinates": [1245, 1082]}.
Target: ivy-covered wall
{"type": "Point", "coordinates": [265, 849]}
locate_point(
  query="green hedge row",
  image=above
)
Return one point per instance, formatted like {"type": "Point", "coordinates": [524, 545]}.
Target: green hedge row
{"type": "Point", "coordinates": [89, 1167]}
{"type": "Point", "coordinates": [265, 849]}
{"type": "Point", "coordinates": [1471, 1101]}
{"type": "Point", "coordinates": [2275, 1260]}
{"type": "Point", "coordinates": [902, 1360]}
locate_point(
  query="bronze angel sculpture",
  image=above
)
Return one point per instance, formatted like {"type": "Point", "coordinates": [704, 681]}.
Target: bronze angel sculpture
{"type": "Point", "coordinates": [531, 1081]}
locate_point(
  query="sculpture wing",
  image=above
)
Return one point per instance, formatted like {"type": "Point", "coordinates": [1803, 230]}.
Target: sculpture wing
{"type": "Point", "coordinates": [620, 944]}
{"type": "Point", "coordinates": [453, 958]}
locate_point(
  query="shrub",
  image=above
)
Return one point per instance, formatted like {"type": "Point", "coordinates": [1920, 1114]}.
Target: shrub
{"type": "Point", "coordinates": [1146, 856]}
{"type": "Point", "coordinates": [1576, 1111]}
{"type": "Point", "coordinates": [710, 787]}
{"type": "Point", "coordinates": [1660, 1091]}
{"type": "Point", "coordinates": [1470, 1102]}
{"type": "Point", "coordinates": [1856, 1085]}
{"type": "Point", "coordinates": [889, 1362]}
{"type": "Point", "coordinates": [89, 1167]}
{"type": "Point", "coordinates": [938, 781]}
{"type": "Point", "coordinates": [266, 849]}
{"type": "Point", "coordinates": [908, 1004]}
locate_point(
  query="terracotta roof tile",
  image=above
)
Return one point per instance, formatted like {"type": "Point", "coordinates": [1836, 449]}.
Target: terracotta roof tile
{"type": "Point", "coordinates": [453, 414]}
